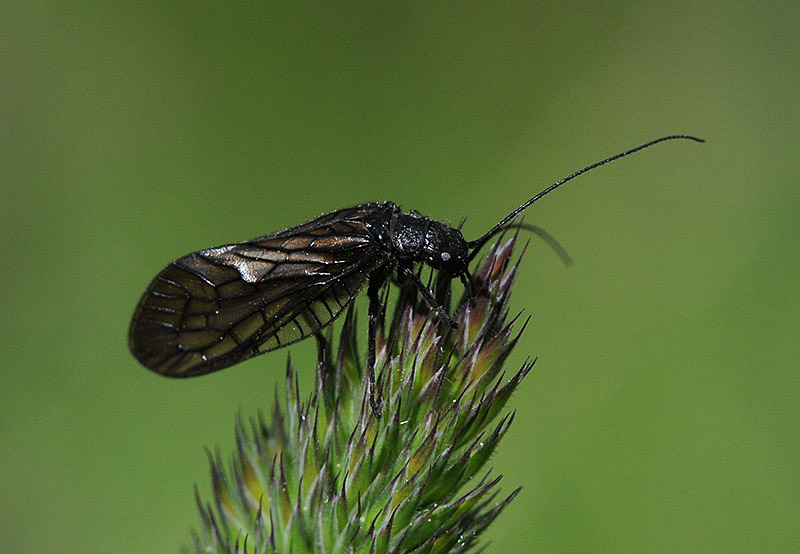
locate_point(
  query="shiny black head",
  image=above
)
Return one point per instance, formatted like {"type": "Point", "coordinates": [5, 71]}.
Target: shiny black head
{"type": "Point", "coordinates": [445, 249]}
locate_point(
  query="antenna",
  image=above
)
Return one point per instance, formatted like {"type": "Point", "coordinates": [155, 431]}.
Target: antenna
{"type": "Point", "coordinates": [475, 245]}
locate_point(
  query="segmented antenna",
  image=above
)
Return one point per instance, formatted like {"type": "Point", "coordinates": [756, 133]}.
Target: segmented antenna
{"type": "Point", "coordinates": [476, 244]}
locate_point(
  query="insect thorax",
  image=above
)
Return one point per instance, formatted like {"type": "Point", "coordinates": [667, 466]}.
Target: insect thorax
{"type": "Point", "coordinates": [410, 237]}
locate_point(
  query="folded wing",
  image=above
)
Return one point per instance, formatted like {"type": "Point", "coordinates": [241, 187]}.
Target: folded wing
{"type": "Point", "coordinates": [214, 308]}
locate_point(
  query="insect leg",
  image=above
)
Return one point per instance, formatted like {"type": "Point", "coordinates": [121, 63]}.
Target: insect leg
{"type": "Point", "coordinates": [324, 369]}
{"type": "Point", "coordinates": [426, 294]}
{"type": "Point", "coordinates": [442, 288]}
{"type": "Point", "coordinates": [469, 285]}
{"type": "Point", "coordinates": [376, 281]}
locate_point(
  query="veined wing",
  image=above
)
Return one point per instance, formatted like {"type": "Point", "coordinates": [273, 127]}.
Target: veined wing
{"type": "Point", "coordinates": [211, 309]}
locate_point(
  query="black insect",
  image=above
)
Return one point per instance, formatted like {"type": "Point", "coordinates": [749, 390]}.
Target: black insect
{"type": "Point", "coordinates": [214, 308]}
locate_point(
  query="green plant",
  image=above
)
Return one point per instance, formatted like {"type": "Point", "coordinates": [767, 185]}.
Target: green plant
{"type": "Point", "coordinates": [327, 475]}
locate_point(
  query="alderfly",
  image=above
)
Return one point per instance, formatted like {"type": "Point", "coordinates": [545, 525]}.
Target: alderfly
{"type": "Point", "coordinates": [214, 308]}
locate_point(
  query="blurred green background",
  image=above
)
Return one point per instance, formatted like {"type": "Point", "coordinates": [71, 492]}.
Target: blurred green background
{"type": "Point", "coordinates": [662, 415]}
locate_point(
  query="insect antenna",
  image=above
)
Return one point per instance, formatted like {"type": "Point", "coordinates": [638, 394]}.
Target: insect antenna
{"type": "Point", "coordinates": [549, 239]}
{"type": "Point", "coordinates": [476, 244]}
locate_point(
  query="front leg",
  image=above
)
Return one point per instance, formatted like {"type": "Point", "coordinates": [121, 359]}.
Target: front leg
{"type": "Point", "coordinates": [426, 294]}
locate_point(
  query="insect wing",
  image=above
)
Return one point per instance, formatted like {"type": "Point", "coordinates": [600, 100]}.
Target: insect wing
{"type": "Point", "coordinates": [211, 309]}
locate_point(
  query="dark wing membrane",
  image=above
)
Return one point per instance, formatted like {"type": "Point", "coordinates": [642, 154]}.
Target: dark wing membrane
{"type": "Point", "coordinates": [211, 309]}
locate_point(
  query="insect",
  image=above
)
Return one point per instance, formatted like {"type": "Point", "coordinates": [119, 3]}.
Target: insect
{"type": "Point", "coordinates": [211, 309]}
